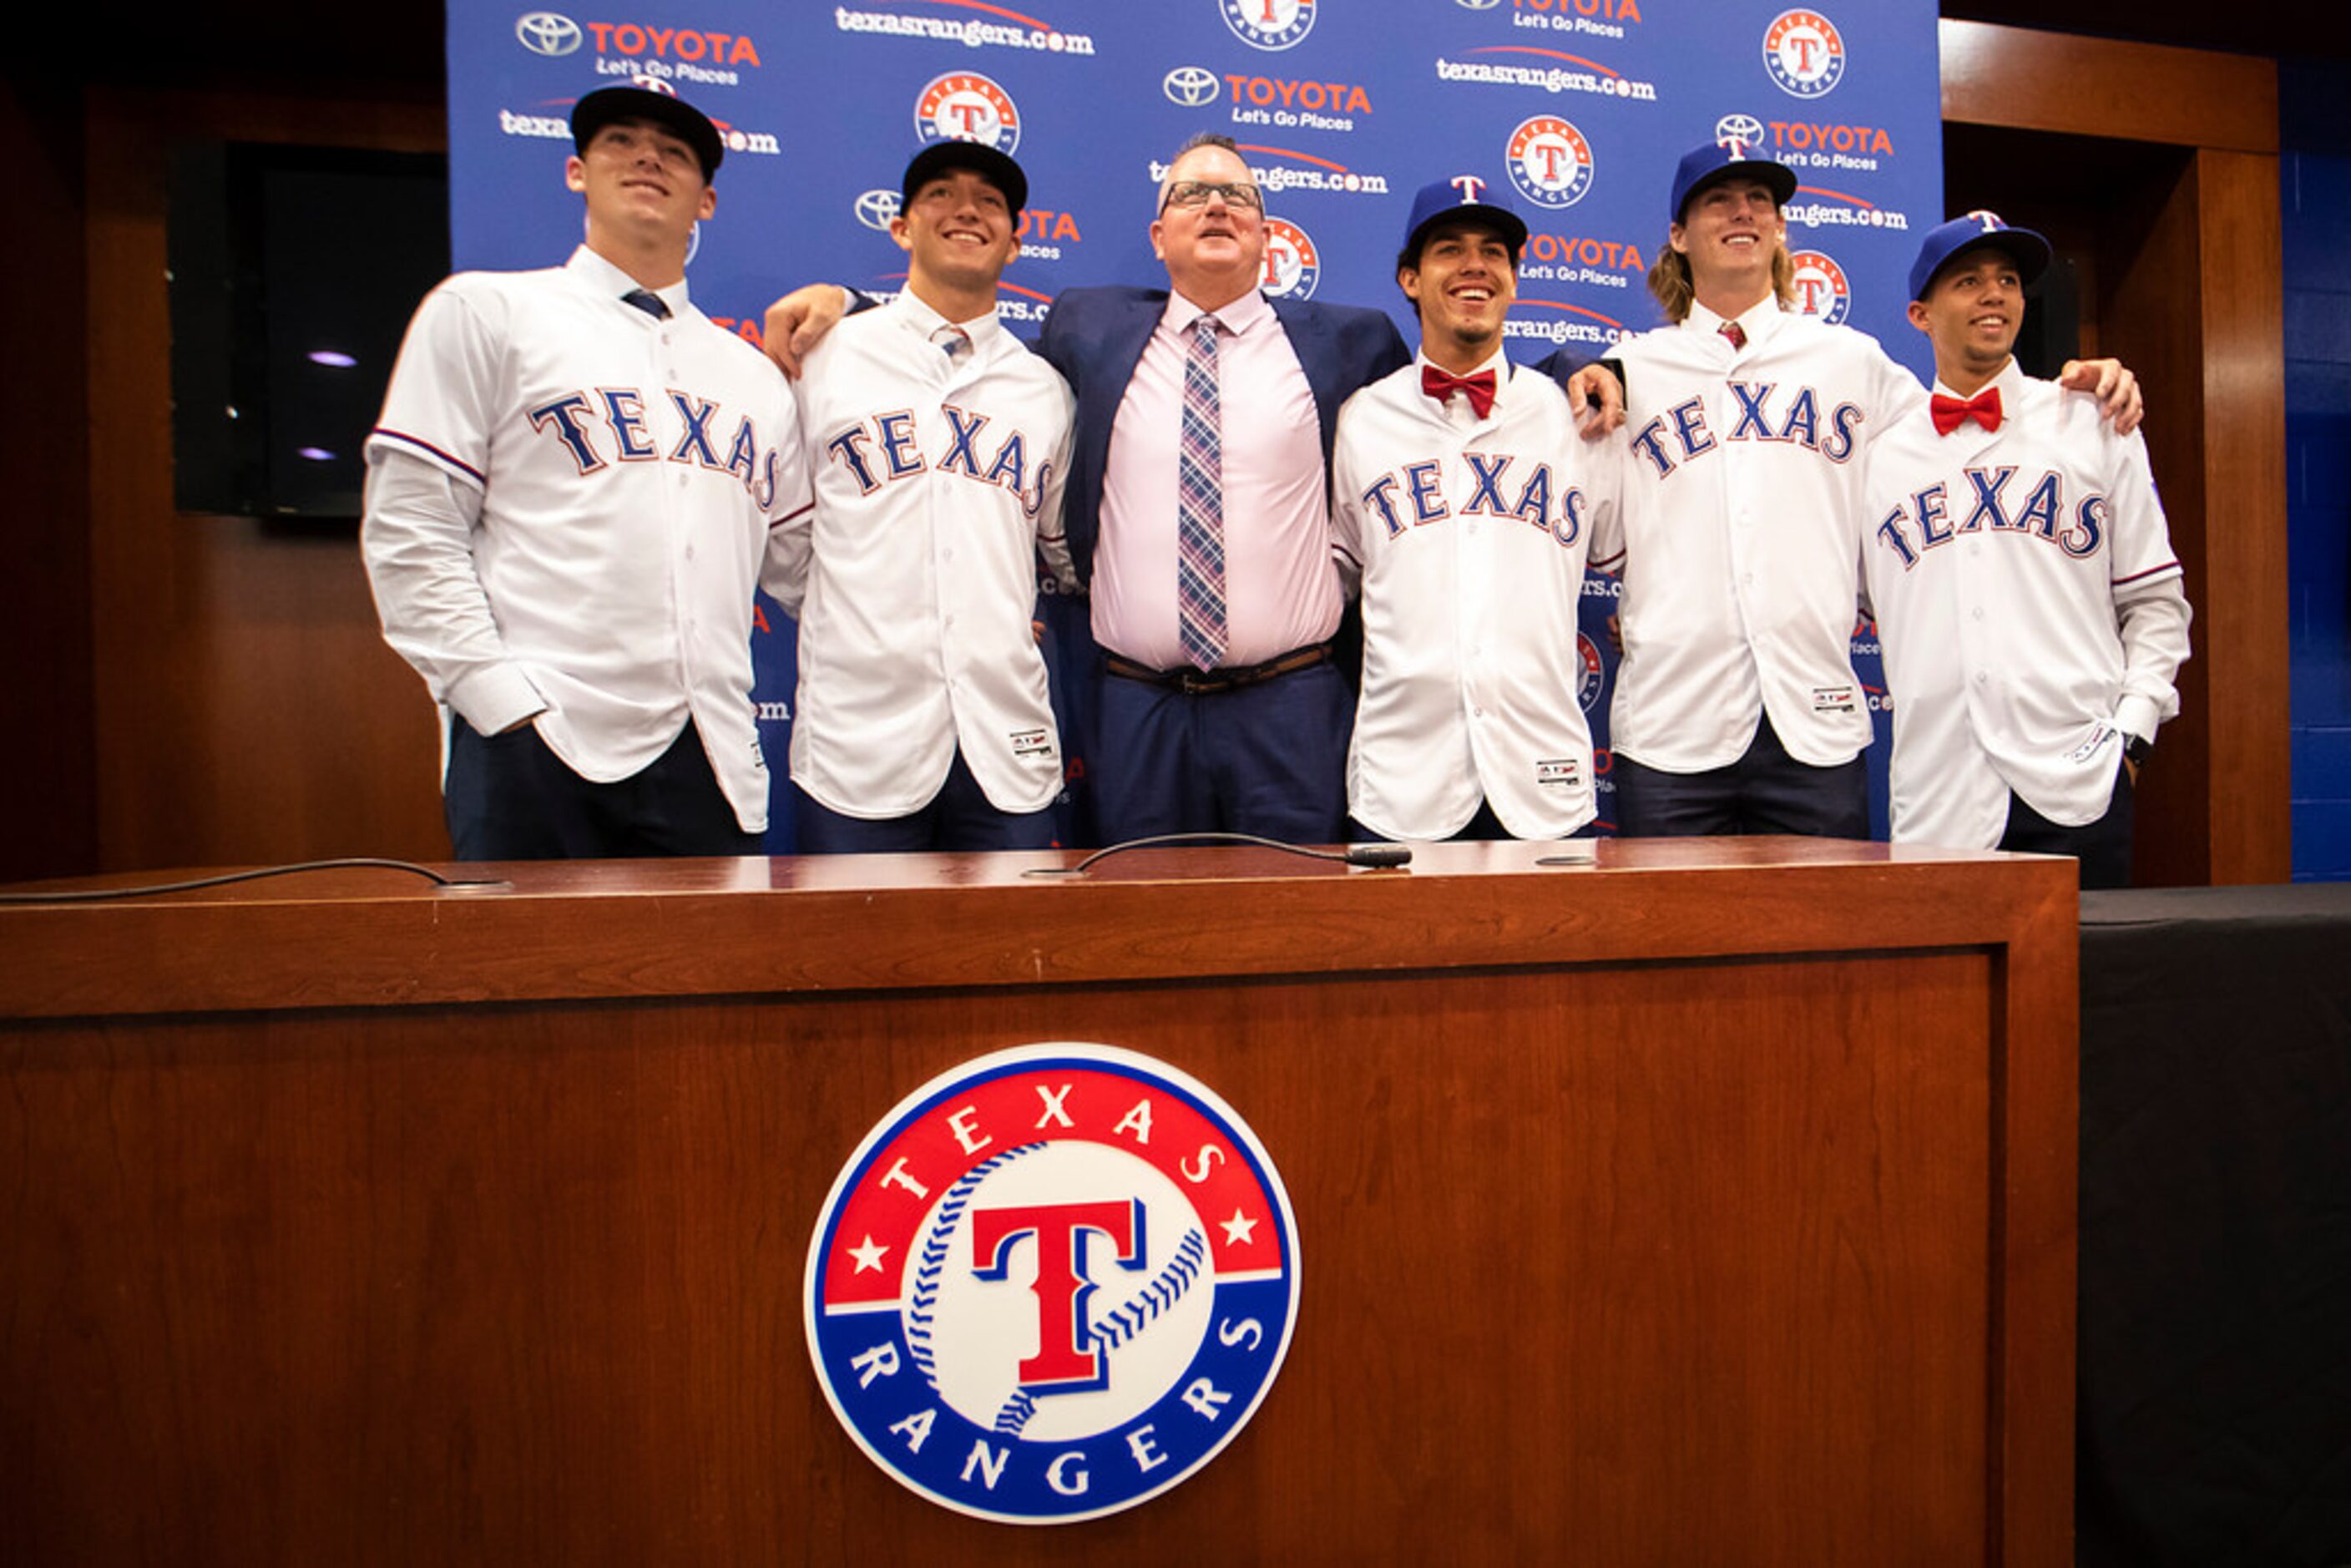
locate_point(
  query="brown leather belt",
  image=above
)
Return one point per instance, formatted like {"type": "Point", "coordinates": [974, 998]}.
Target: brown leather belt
{"type": "Point", "coordinates": [1208, 682]}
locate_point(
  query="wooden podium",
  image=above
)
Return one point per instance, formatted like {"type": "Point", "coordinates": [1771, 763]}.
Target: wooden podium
{"type": "Point", "coordinates": [1711, 1202]}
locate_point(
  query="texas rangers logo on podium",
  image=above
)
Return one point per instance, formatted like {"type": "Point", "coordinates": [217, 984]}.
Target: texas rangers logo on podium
{"type": "Point", "coordinates": [1054, 1283]}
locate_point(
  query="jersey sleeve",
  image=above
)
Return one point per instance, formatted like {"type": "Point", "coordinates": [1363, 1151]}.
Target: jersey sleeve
{"type": "Point", "coordinates": [1347, 546]}
{"type": "Point", "coordinates": [2151, 610]}
{"type": "Point", "coordinates": [1053, 535]}
{"type": "Point", "coordinates": [444, 398]}
{"type": "Point", "coordinates": [1894, 390]}
{"type": "Point", "coordinates": [416, 537]}
{"type": "Point", "coordinates": [1603, 462]}
{"type": "Point", "coordinates": [791, 514]}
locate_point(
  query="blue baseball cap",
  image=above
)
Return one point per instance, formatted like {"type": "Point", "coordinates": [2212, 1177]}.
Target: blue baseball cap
{"type": "Point", "coordinates": [996, 168]}
{"type": "Point", "coordinates": [1727, 158]}
{"type": "Point", "coordinates": [673, 113]}
{"type": "Point", "coordinates": [1946, 241]}
{"type": "Point", "coordinates": [1461, 196]}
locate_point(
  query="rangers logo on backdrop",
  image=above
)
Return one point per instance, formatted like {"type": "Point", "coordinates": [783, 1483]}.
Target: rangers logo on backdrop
{"type": "Point", "coordinates": [1292, 265]}
{"type": "Point", "coordinates": [1549, 161]}
{"type": "Point", "coordinates": [962, 106]}
{"type": "Point", "coordinates": [1052, 1284]}
{"type": "Point", "coordinates": [1804, 53]}
{"type": "Point", "coordinates": [1821, 288]}
{"type": "Point", "coordinates": [1590, 674]}
{"type": "Point", "coordinates": [1268, 23]}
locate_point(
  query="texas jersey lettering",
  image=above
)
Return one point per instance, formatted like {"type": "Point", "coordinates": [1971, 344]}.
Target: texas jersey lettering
{"type": "Point", "coordinates": [938, 483]}
{"type": "Point", "coordinates": [1470, 542]}
{"type": "Point", "coordinates": [1051, 1284]}
{"type": "Point", "coordinates": [1741, 513]}
{"type": "Point", "coordinates": [2030, 607]}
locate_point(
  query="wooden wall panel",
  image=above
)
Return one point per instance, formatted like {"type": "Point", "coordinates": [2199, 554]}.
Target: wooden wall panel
{"type": "Point", "coordinates": [246, 708]}
{"type": "Point", "coordinates": [2168, 158]}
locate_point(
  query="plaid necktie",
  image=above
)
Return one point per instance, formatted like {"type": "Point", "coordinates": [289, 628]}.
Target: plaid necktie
{"type": "Point", "coordinates": [646, 300]}
{"type": "Point", "coordinates": [1200, 506]}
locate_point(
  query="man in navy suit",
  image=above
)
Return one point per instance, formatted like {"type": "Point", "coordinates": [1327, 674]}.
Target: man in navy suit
{"type": "Point", "coordinates": [1198, 513]}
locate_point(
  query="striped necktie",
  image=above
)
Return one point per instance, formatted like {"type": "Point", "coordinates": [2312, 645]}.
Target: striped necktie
{"type": "Point", "coordinates": [646, 300]}
{"type": "Point", "coordinates": [1200, 506]}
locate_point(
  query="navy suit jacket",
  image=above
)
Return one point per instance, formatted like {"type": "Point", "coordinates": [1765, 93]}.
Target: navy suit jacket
{"type": "Point", "coordinates": [1095, 338]}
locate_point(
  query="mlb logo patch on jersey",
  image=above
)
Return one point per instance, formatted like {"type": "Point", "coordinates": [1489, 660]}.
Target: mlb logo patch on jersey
{"type": "Point", "coordinates": [1054, 1283]}
{"type": "Point", "coordinates": [1836, 699]}
{"type": "Point", "coordinates": [1559, 772]}
{"type": "Point", "coordinates": [1033, 743]}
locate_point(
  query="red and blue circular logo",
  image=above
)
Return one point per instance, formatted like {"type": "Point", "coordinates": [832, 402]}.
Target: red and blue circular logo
{"type": "Point", "coordinates": [962, 106]}
{"type": "Point", "coordinates": [1821, 288]}
{"type": "Point", "coordinates": [1590, 674]}
{"type": "Point", "coordinates": [1268, 23]}
{"type": "Point", "coordinates": [1292, 265]}
{"type": "Point", "coordinates": [1052, 1284]}
{"type": "Point", "coordinates": [1804, 53]}
{"type": "Point", "coordinates": [1549, 161]}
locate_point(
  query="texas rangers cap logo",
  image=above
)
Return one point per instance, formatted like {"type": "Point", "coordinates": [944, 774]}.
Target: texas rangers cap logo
{"type": "Point", "coordinates": [1292, 267]}
{"type": "Point", "coordinates": [1054, 1283]}
{"type": "Point", "coordinates": [1803, 53]}
{"type": "Point", "coordinates": [964, 106]}
{"type": "Point", "coordinates": [1549, 161]}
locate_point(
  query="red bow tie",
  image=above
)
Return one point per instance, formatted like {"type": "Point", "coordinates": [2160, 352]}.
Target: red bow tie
{"type": "Point", "coordinates": [1951, 412]}
{"type": "Point", "coordinates": [1442, 384]}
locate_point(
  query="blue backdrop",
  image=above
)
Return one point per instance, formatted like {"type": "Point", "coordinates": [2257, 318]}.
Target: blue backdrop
{"type": "Point", "coordinates": [1342, 107]}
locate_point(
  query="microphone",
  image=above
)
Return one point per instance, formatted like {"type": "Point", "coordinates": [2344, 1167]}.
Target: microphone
{"type": "Point", "coordinates": [1378, 854]}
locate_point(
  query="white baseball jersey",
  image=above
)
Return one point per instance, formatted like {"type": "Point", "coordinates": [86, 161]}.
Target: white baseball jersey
{"type": "Point", "coordinates": [937, 482]}
{"type": "Point", "coordinates": [2030, 607]}
{"type": "Point", "coordinates": [615, 478]}
{"type": "Point", "coordinates": [1470, 542]}
{"type": "Point", "coordinates": [1742, 517]}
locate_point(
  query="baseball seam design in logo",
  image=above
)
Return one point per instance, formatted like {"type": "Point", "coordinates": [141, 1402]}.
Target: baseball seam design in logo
{"type": "Point", "coordinates": [962, 106]}
{"type": "Point", "coordinates": [1822, 287]}
{"type": "Point", "coordinates": [1292, 267]}
{"type": "Point", "coordinates": [1268, 23]}
{"type": "Point", "coordinates": [1051, 1284]}
{"type": "Point", "coordinates": [1804, 53]}
{"type": "Point", "coordinates": [1549, 161]}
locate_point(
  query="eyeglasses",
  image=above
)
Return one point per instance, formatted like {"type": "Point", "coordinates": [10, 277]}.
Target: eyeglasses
{"type": "Point", "coordinates": [1196, 194]}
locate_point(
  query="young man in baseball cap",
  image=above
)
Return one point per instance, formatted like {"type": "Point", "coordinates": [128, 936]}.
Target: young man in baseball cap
{"type": "Point", "coordinates": [2027, 596]}
{"type": "Point", "coordinates": [569, 504]}
{"type": "Point", "coordinates": [938, 445]}
{"type": "Point", "coordinates": [1463, 505]}
{"type": "Point", "coordinates": [1737, 708]}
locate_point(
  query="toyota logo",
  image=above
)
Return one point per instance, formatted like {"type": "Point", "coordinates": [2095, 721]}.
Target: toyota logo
{"type": "Point", "coordinates": [546, 33]}
{"type": "Point", "coordinates": [1746, 128]}
{"type": "Point", "coordinates": [1191, 86]}
{"type": "Point", "coordinates": [1476, 5]}
{"type": "Point", "coordinates": [874, 209]}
